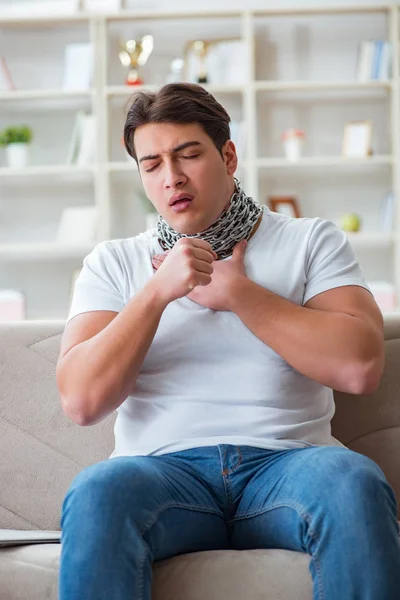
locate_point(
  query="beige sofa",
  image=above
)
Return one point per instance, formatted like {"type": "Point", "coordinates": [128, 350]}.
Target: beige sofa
{"type": "Point", "coordinates": [41, 451]}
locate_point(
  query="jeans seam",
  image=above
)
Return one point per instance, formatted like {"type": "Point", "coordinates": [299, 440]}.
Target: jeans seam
{"type": "Point", "coordinates": [141, 574]}
{"type": "Point", "coordinates": [304, 515]}
{"type": "Point", "coordinates": [293, 505]}
{"type": "Point", "coordinates": [318, 575]}
{"type": "Point", "coordinates": [204, 509]}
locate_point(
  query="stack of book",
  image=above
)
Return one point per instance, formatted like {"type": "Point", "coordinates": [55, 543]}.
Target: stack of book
{"type": "Point", "coordinates": [374, 61]}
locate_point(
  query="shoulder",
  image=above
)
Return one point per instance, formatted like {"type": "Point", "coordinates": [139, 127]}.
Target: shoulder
{"type": "Point", "coordinates": [121, 249]}
{"type": "Point", "coordinates": [302, 230]}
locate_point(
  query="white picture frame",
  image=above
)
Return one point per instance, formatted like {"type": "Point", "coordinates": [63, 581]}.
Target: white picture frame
{"type": "Point", "coordinates": [78, 66]}
{"type": "Point", "coordinates": [357, 139]}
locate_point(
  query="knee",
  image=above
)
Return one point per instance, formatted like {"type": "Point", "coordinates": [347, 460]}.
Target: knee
{"type": "Point", "coordinates": [352, 481]}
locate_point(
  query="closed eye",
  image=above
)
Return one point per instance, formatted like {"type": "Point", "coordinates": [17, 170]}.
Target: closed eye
{"type": "Point", "coordinates": [188, 157]}
{"type": "Point", "coordinates": [151, 169]}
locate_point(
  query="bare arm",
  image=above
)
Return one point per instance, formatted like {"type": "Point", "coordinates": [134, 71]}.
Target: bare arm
{"type": "Point", "coordinates": [102, 352]}
{"type": "Point", "coordinates": [335, 339]}
{"type": "Point", "coordinates": [95, 375]}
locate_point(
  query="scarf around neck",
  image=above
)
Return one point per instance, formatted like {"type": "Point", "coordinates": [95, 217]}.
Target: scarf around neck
{"type": "Point", "coordinates": [235, 224]}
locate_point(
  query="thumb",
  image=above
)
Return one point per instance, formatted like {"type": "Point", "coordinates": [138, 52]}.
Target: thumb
{"type": "Point", "coordinates": [239, 250]}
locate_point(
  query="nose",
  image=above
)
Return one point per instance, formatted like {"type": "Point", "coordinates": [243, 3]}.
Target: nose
{"type": "Point", "coordinates": [174, 178]}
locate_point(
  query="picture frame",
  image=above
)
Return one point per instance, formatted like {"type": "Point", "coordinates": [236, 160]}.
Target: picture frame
{"type": "Point", "coordinates": [357, 139]}
{"type": "Point", "coordinates": [222, 61]}
{"type": "Point", "coordinates": [285, 205]}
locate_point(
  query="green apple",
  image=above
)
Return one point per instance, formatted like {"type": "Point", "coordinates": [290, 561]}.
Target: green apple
{"type": "Point", "coordinates": [351, 222]}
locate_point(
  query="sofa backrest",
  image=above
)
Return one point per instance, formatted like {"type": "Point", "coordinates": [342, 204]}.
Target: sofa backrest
{"type": "Point", "coordinates": [41, 451]}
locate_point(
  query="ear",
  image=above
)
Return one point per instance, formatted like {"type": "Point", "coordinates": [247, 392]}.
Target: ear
{"type": "Point", "coordinates": [230, 157]}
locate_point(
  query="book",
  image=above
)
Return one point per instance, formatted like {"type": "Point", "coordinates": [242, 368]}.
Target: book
{"type": "Point", "coordinates": [6, 81]}
{"type": "Point", "coordinates": [17, 537]}
{"type": "Point", "coordinates": [374, 60]}
{"type": "Point", "coordinates": [76, 138]}
{"type": "Point", "coordinates": [387, 213]}
{"type": "Point", "coordinates": [385, 67]}
{"type": "Point", "coordinates": [86, 150]}
{"type": "Point", "coordinates": [365, 60]}
{"type": "Point", "coordinates": [377, 56]}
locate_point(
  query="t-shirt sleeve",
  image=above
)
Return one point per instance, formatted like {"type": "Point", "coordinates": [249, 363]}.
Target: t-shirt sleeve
{"type": "Point", "coordinates": [100, 283]}
{"type": "Point", "coordinates": [330, 261]}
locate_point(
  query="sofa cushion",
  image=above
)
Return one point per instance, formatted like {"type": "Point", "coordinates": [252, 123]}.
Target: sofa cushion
{"type": "Point", "coordinates": [31, 572]}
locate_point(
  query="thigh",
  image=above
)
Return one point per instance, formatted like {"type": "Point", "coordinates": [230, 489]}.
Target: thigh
{"type": "Point", "coordinates": [290, 499]}
{"type": "Point", "coordinates": [161, 498]}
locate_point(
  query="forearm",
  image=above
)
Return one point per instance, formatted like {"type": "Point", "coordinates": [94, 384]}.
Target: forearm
{"type": "Point", "coordinates": [97, 375]}
{"type": "Point", "coordinates": [333, 348]}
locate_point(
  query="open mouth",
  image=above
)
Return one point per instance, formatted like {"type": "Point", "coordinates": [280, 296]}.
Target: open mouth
{"type": "Point", "coordinates": [181, 202]}
{"type": "Point", "coordinates": [180, 199]}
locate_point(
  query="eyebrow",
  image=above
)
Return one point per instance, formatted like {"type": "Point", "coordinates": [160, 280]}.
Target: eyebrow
{"type": "Point", "coordinates": [174, 150]}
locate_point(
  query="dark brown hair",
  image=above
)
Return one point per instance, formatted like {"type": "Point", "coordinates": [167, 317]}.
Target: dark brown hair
{"type": "Point", "coordinates": [179, 103]}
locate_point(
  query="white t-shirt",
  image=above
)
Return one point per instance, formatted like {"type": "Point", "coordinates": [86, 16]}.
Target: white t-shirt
{"type": "Point", "coordinates": [207, 379]}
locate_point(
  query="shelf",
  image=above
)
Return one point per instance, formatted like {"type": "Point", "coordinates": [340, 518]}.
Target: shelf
{"type": "Point", "coordinates": [43, 94]}
{"type": "Point", "coordinates": [323, 161]}
{"type": "Point", "coordinates": [49, 251]}
{"type": "Point", "coordinates": [287, 86]}
{"type": "Point", "coordinates": [12, 17]}
{"type": "Point", "coordinates": [154, 15]}
{"type": "Point", "coordinates": [371, 239]}
{"type": "Point", "coordinates": [47, 170]}
{"type": "Point", "coordinates": [322, 10]}
{"type": "Point", "coordinates": [126, 90]}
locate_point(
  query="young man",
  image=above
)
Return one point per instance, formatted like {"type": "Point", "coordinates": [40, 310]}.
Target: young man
{"type": "Point", "coordinates": [218, 337]}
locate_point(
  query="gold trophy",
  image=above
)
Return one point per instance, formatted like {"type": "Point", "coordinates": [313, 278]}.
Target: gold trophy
{"type": "Point", "coordinates": [134, 54]}
{"type": "Point", "coordinates": [200, 48]}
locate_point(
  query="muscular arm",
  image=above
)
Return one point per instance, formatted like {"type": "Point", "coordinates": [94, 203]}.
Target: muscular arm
{"type": "Point", "coordinates": [335, 339]}
{"type": "Point", "coordinates": [96, 375]}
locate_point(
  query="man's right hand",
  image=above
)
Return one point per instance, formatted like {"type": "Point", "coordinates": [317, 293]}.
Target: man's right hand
{"type": "Point", "coordinates": [186, 266]}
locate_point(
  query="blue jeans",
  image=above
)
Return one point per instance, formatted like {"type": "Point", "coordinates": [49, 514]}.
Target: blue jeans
{"type": "Point", "coordinates": [122, 514]}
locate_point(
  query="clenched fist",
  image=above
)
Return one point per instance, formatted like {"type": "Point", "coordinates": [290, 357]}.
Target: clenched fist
{"type": "Point", "coordinates": [188, 265]}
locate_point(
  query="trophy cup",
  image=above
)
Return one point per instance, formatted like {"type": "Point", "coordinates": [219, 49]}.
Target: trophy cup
{"type": "Point", "coordinates": [200, 48]}
{"type": "Point", "coordinates": [134, 54]}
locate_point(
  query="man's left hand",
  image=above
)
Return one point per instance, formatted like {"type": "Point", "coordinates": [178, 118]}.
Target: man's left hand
{"type": "Point", "coordinates": [226, 276]}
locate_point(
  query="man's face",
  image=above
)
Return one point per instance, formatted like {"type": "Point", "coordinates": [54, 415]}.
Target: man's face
{"type": "Point", "coordinates": [179, 160]}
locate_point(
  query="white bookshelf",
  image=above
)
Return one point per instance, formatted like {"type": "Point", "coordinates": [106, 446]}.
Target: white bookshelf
{"type": "Point", "coordinates": [291, 87]}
